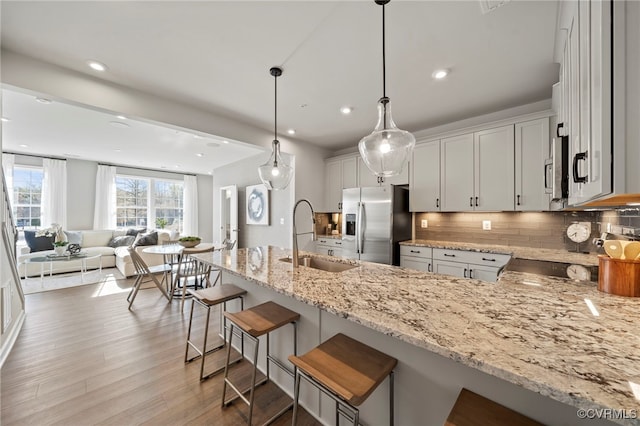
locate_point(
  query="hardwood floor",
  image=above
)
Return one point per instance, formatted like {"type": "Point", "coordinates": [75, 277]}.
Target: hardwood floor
{"type": "Point", "coordinates": [85, 360]}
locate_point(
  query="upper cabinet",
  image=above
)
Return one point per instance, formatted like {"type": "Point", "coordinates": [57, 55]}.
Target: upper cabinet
{"type": "Point", "coordinates": [339, 174]}
{"type": "Point", "coordinates": [496, 169]}
{"type": "Point", "coordinates": [351, 172]}
{"type": "Point", "coordinates": [366, 178]}
{"type": "Point", "coordinates": [493, 152]}
{"type": "Point", "coordinates": [456, 171]}
{"type": "Point", "coordinates": [477, 171]}
{"type": "Point", "coordinates": [586, 72]}
{"type": "Point", "coordinates": [424, 184]}
{"type": "Point", "coordinates": [532, 149]}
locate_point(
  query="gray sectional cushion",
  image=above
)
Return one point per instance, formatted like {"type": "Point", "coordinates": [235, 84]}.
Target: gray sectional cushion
{"type": "Point", "coordinates": [150, 239]}
{"type": "Point", "coordinates": [125, 240]}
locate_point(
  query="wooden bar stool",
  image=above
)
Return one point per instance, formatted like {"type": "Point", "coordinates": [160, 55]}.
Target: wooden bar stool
{"type": "Point", "coordinates": [253, 323]}
{"type": "Point", "coordinates": [347, 371]}
{"type": "Point", "coordinates": [207, 298]}
{"type": "Point", "coordinates": [472, 409]}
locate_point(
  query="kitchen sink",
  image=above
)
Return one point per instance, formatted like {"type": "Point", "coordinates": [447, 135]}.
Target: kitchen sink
{"type": "Point", "coordinates": [321, 264]}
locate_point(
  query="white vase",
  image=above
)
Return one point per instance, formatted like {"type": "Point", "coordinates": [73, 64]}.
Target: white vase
{"type": "Point", "coordinates": [60, 250]}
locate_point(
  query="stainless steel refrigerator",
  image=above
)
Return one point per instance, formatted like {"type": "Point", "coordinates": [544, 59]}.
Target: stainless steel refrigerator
{"type": "Point", "coordinates": [374, 220]}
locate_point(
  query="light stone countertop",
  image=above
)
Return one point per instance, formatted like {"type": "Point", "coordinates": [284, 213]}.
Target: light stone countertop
{"type": "Point", "coordinates": [534, 331]}
{"type": "Point", "coordinates": [551, 255]}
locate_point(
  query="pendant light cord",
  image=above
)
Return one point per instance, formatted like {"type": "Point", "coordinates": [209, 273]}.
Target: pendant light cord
{"type": "Point", "coordinates": [275, 108]}
{"type": "Point", "coordinates": [384, 72]}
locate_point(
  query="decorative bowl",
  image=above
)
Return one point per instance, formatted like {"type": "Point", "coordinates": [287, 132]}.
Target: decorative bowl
{"type": "Point", "coordinates": [189, 244]}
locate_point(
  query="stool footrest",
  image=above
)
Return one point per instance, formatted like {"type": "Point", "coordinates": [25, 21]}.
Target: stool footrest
{"type": "Point", "coordinates": [240, 394]}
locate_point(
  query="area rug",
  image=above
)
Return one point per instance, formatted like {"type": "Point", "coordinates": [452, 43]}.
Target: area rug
{"type": "Point", "coordinates": [110, 280]}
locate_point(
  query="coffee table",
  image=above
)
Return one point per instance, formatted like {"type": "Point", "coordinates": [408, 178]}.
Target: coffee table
{"type": "Point", "coordinates": [51, 259]}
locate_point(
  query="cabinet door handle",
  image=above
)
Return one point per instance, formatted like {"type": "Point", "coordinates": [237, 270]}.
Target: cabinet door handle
{"type": "Point", "coordinates": [414, 251]}
{"type": "Point", "coordinates": [470, 273]}
{"type": "Point", "coordinates": [438, 202]}
{"type": "Point", "coordinates": [338, 243]}
{"type": "Point", "coordinates": [470, 201]}
{"type": "Point", "coordinates": [488, 260]}
{"type": "Point", "coordinates": [558, 127]}
{"type": "Point", "coordinates": [429, 268]}
{"type": "Point", "coordinates": [465, 272]}
{"type": "Point", "coordinates": [576, 174]}
{"type": "Point", "coordinates": [477, 201]}
{"type": "Point", "coordinates": [449, 255]}
{"type": "Point", "coordinates": [545, 178]}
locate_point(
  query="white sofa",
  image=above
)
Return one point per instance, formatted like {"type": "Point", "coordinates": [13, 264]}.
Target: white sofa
{"type": "Point", "coordinates": [95, 242]}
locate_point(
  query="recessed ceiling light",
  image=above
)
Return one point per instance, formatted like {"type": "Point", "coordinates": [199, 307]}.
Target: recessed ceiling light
{"type": "Point", "coordinates": [117, 150]}
{"type": "Point", "coordinates": [5, 120]}
{"type": "Point", "coordinates": [210, 173]}
{"type": "Point", "coordinates": [44, 100]}
{"type": "Point", "coordinates": [346, 110]}
{"type": "Point", "coordinates": [440, 74]}
{"type": "Point", "coordinates": [199, 154]}
{"type": "Point", "coordinates": [177, 166]}
{"type": "Point", "coordinates": [291, 131]}
{"type": "Point", "coordinates": [23, 146]}
{"type": "Point", "coordinates": [197, 136]}
{"type": "Point", "coordinates": [97, 66]}
{"type": "Point", "coordinates": [119, 124]}
{"type": "Point", "coordinates": [225, 141]}
{"type": "Point", "coordinates": [121, 117]}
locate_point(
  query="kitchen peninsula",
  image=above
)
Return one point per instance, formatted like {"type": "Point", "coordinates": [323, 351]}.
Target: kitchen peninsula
{"type": "Point", "coordinates": [527, 342]}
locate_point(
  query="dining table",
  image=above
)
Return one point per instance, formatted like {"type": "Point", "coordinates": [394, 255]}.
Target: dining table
{"type": "Point", "coordinates": [170, 251]}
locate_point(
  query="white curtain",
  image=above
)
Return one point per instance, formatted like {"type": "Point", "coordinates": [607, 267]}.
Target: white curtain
{"type": "Point", "coordinates": [54, 193]}
{"type": "Point", "coordinates": [8, 161]}
{"type": "Point", "coordinates": [190, 212]}
{"type": "Point", "coordinates": [104, 216]}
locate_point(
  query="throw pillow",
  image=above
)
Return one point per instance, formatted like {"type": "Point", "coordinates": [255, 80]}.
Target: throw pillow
{"type": "Point", "coordinates": [124, 240]}
{"type": "Point", "coordinates": [150, 239]}
{"type": "Point", "coordinates": [135, 231]}
{"type": "Point", "coordinates": [38, 243]}
{"type": "Point", "coordinates": [74, 237]}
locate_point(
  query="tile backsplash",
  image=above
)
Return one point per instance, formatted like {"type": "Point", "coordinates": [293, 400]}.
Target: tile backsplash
{"type": "Point", "coordinates": [526, 229]}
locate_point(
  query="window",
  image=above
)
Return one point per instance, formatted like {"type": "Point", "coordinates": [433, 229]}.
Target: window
{"type": "Point", "coordinates": [150, 203]}
{"type": "Point", "coordinates": [27, 196]}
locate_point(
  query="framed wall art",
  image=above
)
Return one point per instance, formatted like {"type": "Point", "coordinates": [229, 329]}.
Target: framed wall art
{"type": "Point", "coordinates": [257, 205]}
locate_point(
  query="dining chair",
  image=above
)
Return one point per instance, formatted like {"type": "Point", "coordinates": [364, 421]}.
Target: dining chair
{"type": "Point", "coordinates": [190, 270]}
{"type": "Point", "coordinates": [146, 274]}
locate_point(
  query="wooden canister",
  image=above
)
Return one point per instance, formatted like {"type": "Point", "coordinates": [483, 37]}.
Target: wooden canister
{"type": "Point", "coordinates": [619, 276]}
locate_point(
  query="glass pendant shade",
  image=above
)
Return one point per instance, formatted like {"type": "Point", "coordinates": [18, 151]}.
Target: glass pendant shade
{"type": "Point", "coordinates": [387, 149]}
{"type": "Point", "coordinates": [275, 173]}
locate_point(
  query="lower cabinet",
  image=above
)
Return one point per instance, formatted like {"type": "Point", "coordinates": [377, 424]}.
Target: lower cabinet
{"type": "Point", "coordinates": [329, 246]}
{"type": "Point", "coordinates": [469, 264]}
{"type": "Point", "coordinates": [416, 258]}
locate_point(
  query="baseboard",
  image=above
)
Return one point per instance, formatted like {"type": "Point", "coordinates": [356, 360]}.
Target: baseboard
{"type": "Point", "coordinates": [11, 337]}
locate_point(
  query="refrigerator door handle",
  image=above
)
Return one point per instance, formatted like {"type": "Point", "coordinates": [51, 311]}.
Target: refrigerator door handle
{"type": "Point", "coordinates": [360, 231]}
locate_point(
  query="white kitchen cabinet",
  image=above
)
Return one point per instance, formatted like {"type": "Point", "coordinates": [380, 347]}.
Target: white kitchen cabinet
{"type": "Point", "coordinates": [456, 173]}
{"type": "Point", "coordinates": [329, 246]}
{"type": "Point", "coordinates": [494, 169]}
{"type": "Point", "coordinates": [366, 178]}
{"type": "Point", "coordinates": [477, 171]}
{"type": "Point", "coordinates": [469, 264]}
{"type": "Point", "coordinates": [532, 149]}
{"type": "Point", "coordinates": [339, 174]}
{"type": "Point", "coordinates": [415, 257]}
{"type": "Point", "coordinates": [424, 179]}
{"type": "Point", "coordinates": [586, 71]}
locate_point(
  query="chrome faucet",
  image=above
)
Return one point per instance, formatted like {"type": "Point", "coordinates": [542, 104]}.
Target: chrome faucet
{"type": "Point", "coordinates": [295, 234]}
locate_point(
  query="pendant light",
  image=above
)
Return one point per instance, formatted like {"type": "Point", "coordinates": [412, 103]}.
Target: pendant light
{"type": "Point", "coordinates": [275, 173]}
{"type": "Point", "coordinates": [387, 149]}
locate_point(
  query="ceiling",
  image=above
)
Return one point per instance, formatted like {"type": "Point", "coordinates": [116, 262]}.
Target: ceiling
{"type": "Point", "coordinates": [216, 55]}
